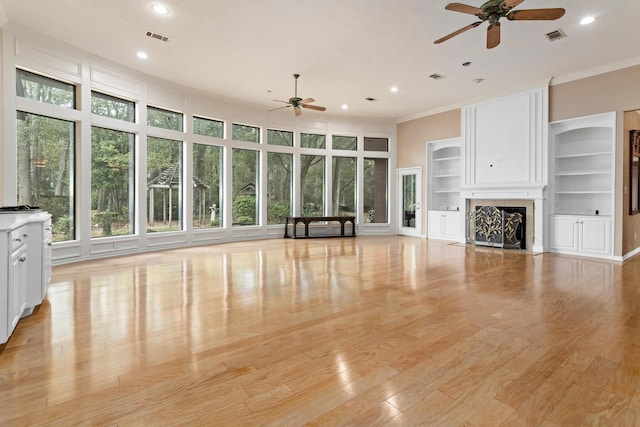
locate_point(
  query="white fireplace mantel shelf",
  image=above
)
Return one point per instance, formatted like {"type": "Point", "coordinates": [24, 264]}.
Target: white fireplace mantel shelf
{"type": "Point", "coordinates": [505, 191]}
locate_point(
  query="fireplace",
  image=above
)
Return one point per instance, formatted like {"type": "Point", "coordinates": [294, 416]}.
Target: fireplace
{"type": "Point", "coordinates": [498, 226]}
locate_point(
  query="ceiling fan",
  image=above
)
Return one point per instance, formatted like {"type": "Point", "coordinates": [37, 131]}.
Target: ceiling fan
{"type": "Point", "coordinates": [493, 11]}
{"type": "Point", "coordinates": [297, 102]}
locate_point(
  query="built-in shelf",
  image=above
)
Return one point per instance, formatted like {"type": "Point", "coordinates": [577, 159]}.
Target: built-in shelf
{"type": "Point", "coordinates": [585, 172]}
{"type": "Point", "coordinates": [582, 185]}
{"type": "Point", "coordinates": [444, 219]}
{"type": "Point", "coordinates": [444, 167]}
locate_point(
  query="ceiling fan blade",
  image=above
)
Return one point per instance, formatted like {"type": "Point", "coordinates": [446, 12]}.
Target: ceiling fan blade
{"type": "Point", "coordinates": [307, 100]}
{"type": "Point", "coordinates": [280, 108]}
{"type": "Point", "coordinates": [509, 4]}
{"type": "Point", "coordinates": [455, 33]}
{"type": "Point", "coordinates": [284, 102]}
{"type": "Point", "coordinates": [313, 107]}
{"type": "Point", "coordinates": [493, 35]}
{"type": "Point", "coordinates": [297, 110]}
{"type": "Point", "coordinates": [536, 14]}
{"type": "Point", "coordinates": [464, 8]}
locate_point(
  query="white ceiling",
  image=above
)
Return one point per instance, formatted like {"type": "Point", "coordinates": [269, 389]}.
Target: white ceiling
{"type": "Point", "coordinates": [345, 51]}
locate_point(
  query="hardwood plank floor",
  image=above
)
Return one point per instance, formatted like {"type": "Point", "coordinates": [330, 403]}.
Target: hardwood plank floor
{"type": "Point", "coordinates": [365, 331]}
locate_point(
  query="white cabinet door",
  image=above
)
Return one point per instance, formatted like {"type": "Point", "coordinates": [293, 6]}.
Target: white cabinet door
{"type": "Point", "coordinates": [452, 225]}
{"type": "Point", "coordinates": [564, 233]}
{"type": "Point", "coordinates": [17, 287]}
{"type": "Point", "coordinates": [435, 224]}
{"type": "Point", "coordinates": [595, 235]}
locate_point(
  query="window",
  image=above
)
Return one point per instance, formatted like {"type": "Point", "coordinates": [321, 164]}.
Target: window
{"type": "Point", "coordinates": [376, 144]}
{"type": "Point", "coordinates": [164, 184]}
{"type": "Point", "coordinates": [245, 133]}
{"type": "Point", "coordinates": [343, 194]}
{"type": "Point", "coordinates": [110, 106]}
{"type": "Point", "coordinates": [280, 137]}
{"type": "Point", "coordinates": [310, 140]}
{"type": "Point", "coordinates": [345, 142]}
{"type": "Point", "coordinates": [112, 182]}
{"type": "Point", "coordinates": [165, 119]}
{"type": "Point", "coordinates": [312, 185]}
{"type": "Point", "coordinates": [45, 169]}
{"type": "Point", "coordinates": [246, 170]}
{"type": "Point", "coordinates": [207, 186]}
{"type": "Point", "coordinates": [43, 89]}
{"type": "Point", "coordinates": [279, 170]}
{"type": "Point", "coordinates": [208, 127]}
{"type": "Point", "coordinates": [375, 190]}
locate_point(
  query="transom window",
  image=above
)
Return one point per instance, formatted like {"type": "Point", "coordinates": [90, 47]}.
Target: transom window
{"type": "Point", "coordinates": [44, 89]}
{"type": "Point", "coordinates": [208, 127]}
{"type": "Point", "coordinates": [245, 133]}
{"type": "Point", "coordinates": [111, 106]}
{"type": "Point", "coordinates": [166, 119]}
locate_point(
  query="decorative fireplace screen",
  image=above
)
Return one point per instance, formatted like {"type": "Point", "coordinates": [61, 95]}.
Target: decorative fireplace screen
{"type": "Point", "coordinates": [497, 226]}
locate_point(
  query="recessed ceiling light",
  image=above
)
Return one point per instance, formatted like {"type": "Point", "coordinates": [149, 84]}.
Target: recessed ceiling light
{"type": "Point", "coordinates": [394, 89]}
{"type": "Point", "coordinates": [142, 55]}
{"type": "Point", "coordinates": [160, 9]}
{"type": "Point", "coordinates": [345, 107]}
{"type": "Point", "coordinates": [587, 20]}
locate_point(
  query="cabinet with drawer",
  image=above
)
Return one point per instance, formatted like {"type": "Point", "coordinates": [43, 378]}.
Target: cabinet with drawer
{"type": "Point", "coordinates": [25, 267]}
{"type": "Point", "coordinates": [13, 278]}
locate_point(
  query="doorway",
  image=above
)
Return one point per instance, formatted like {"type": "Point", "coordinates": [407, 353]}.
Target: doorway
{"type": "Point", "coordinates": [410, 192]}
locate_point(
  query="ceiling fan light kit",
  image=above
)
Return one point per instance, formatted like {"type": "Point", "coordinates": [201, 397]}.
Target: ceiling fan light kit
{"type": "Point", "coordinates": [296, 102]}
{"type": "Point", "coordinates": [494, 10]}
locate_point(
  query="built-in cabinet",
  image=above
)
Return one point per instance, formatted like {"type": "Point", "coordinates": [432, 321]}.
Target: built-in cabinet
{"type": "Point", "coordinates": [444, 225]}
{"type": "Point", "coordinates": [587, 235]}
{"type": "Point", "coordinates": [582, 187]}
{"type": "Point", "coordinates": [25, 271]}
{"type": "Point", "coordinates": [443, 189]}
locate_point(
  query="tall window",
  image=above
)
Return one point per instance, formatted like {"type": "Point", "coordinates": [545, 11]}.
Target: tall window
{"type": "Point", "coordinates": [112, 182]}
{"type": "Point", "coordinates": [45, 169]}
{"type": "Point", "coordinates": [160, 118]}
{"type": "Point", "coordinates": [245, 180]}
{"type": "Point", "coordinates": [207, 186]}
{"type": "Point", "coordinates": [344, 142]}
{"type": "Point", "coordinates": [43, 89]}
{"type": "Point", "coordinates": [343, 193]}
{"type": "Point", "coordinates": [280, 137]}
{"type": "Point", "coordinates": [279, 170]}
{"type": "Point", "coordinates": [310, 140]}
{"type": "Point", "coordinates": [312, 185]}
{"type": "Point", "coordinates": [208, 127]}
{"type": "Point", "coordinates": [245, 133]}
{"type": "Point", "coordinates": [110, 106]}
{"type": "Point", "coordinates": [375, 190]}
{"type": "Point", "coordinates": [164, 184]}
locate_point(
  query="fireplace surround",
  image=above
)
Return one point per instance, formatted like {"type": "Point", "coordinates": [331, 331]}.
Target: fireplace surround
{"type": "Point", "coordinates": [525, 207]}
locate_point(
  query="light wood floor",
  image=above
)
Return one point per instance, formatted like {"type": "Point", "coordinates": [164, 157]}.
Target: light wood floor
{"type": "Point", "coordinates": [365, 331]}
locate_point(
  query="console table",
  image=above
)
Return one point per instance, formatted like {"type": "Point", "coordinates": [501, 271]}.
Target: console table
{"type": "Point", "coordinates": [306, 220]}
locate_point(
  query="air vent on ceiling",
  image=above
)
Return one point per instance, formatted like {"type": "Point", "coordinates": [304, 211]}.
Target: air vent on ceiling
{"type": "Point", "coordinates": [157, 36]}
{"type": "Point", "coordinates": [556, 35]}
{"type": "Point", "coordinates": [436, 76]}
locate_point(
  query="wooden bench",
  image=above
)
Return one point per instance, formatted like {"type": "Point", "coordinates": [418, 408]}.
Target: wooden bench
{"type": "Point", "coordinates": [306, 220]}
